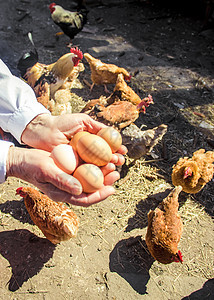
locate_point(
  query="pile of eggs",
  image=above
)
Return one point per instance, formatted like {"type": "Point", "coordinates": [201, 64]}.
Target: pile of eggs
{"type": "Point", "coordinates": [85, 154]}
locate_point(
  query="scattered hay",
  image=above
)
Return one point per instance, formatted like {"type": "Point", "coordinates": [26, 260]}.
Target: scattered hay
{"type": "Point", "coordinates": [131, 200]}
{"type": "Point", "coordinates": [77, 103]}
{"type": "Point", "coordinates": [198, 252]}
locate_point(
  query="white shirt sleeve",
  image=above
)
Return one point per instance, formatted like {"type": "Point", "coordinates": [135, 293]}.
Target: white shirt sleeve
{"type": "Point", "coordinates": [18, 103]}
{"type": "Point", "coordinates": [18, 106]}
{"type": "Point", "coordinates": [4, 147]}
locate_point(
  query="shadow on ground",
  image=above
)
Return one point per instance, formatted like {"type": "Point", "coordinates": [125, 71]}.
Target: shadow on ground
{"type": "Point", "coordinates": [26, 254]}
{"type": "Point", "coordinates": [131, 260]}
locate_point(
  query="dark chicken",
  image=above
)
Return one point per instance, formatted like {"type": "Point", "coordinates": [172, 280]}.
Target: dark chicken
{"type": "Point", "coordinates": [141, 142]}
{"type": "Point", "coordinates": [70, 22]}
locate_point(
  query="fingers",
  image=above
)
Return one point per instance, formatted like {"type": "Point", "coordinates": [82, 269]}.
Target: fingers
{"type": "Point", "coordinates": [101, 194]}
{"type": "Point", "coordinates": [118, 159]}
{"type": "Point", "coordinates": [111, 178]}
{"type": "Point", "coordinates": [94, 126]}
{"type": "Point", "coordinates": [108, 168]}
{"type": "Point", "coordinates": [71, 185]}
{"type": "Point", "coordinates": [83, 199]}
{"type": "Point", "coordinates": [62, 180]}
{"type": "Point", "coordinates": [110, 175]}
{"type": "Point", "coordinates": [68, 184]}
{"type": "Point", "coordinates": [122, 150]}
{"type": "Point", "coordinates": [63, 187]}
{"type": "Point", "coordinates": [89, 199]}
{"type": "Point", "coordinates": [66, 188]}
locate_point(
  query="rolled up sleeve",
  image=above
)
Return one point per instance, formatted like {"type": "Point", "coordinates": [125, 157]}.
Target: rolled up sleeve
{"type": "Point", "coordinates": [18, 103]}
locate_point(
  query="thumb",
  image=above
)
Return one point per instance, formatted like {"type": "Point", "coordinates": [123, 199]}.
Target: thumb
{"type": "Point", "coordinates": [94, 126]}
{"type": "Point", "coordinates": [67, 183]}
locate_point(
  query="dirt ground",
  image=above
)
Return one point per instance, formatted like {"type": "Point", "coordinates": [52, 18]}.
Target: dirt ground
{"type": "Point", "coordinates": [171, 58]}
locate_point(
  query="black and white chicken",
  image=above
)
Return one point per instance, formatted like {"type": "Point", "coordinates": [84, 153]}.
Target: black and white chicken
{"type": "Point", "coordinates": [70, 22]}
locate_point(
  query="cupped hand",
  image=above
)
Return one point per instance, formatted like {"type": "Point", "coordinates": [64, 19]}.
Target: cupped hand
{"type": "Point", "coordinates": [46, 131]}
{"type": "Point", "coordinates": [38, 168]}
{"type": "Point", "coordinates": [84, 199]}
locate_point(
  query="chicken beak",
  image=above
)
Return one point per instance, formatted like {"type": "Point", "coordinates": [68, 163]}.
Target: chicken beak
{"type": "Point", "coordinates": [179, 257]}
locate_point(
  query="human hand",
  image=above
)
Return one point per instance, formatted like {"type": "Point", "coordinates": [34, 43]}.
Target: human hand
{"type": "Point", "coordinates": [46, 131]}
{"type": "Point", "coordinates": [38, 168]}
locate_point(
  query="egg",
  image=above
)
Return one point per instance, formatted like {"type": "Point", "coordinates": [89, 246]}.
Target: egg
{"type": "Point", "coordinates": [90, 177]}
{"type": "Point", "coordinates": [112, 137]}
{"type": "Point", "coordinates": [94, 149]}
{"type": "Point", "coordinates": [65, 157]}
{"type": "Point", "coordinates": [76, 138]}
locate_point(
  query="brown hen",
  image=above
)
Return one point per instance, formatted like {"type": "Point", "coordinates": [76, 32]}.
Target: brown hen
{"type": "Point", "coordinates": [119, 114]}
{"type": "Point", "coordinates": [165, 229]}
{"type": "Point", "coordinates": [193, 173]}
{"type": "Point", "coordinates": [128, 94]}
{"type": "Point", "coordinates": [56, 221]}
{"type": "Point", "coordinates": [114, 112]}
{"type": "Point", "coordinates": [102, 73]}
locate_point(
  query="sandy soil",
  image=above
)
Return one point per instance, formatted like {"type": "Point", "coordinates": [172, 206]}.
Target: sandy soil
{"type": "Point", "coordinates": [170, 58]}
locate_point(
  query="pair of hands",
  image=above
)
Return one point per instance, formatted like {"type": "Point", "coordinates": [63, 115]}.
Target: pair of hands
{"type": "Point", "coordinates": [37, 167]}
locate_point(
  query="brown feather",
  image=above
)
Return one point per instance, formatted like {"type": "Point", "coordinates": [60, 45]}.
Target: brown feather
{"type": "Point", "coordinates": [201, 165]}
{"type": "Point", "coordinates": [102, 73]}
{"type": "Point", "coordinates": [43, 94]}
{"type": "Point", "coordinates": [119, 114]}
{"type": "Point", "coordinates": [165, 228]}
{"type": "Point", "coordinates": [56, 221]}
{"type": "Point", "coordinates": [54, 74]}
{"type": "Point", "coordinates": [127, 93]}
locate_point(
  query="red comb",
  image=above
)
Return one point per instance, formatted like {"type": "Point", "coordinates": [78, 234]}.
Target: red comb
{"type": "Point", "coordinates": [141, 106]}
{"type": "Point", "coordinates": [77, 52]}
{"type": "Point", "coordinates": [148, 100]}
{"type": "Point", "coordinates": [52, 5]}
{"type": "Point", "coordinates": [145, 103]}
{"type": "Point", "coordinates": [19, 190]}
{"type": "Point", "coordinates": [128, 78]}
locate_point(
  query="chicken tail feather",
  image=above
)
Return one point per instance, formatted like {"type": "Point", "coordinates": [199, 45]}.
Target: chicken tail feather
{"type": "Point", "coordinates": [28, 59]}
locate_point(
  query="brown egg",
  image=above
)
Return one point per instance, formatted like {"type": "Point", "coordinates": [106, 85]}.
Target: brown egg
{"type": "Point", "coordinates": [90, 177]}
{"type": "Point", "coordinates": [112, 137]}
{"type": "Point", "coordinates": [76, 138]}
{"type": "Point", "coordinates": [94, 149]}
{"type": "Point", "coordinates": [65, 157]}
